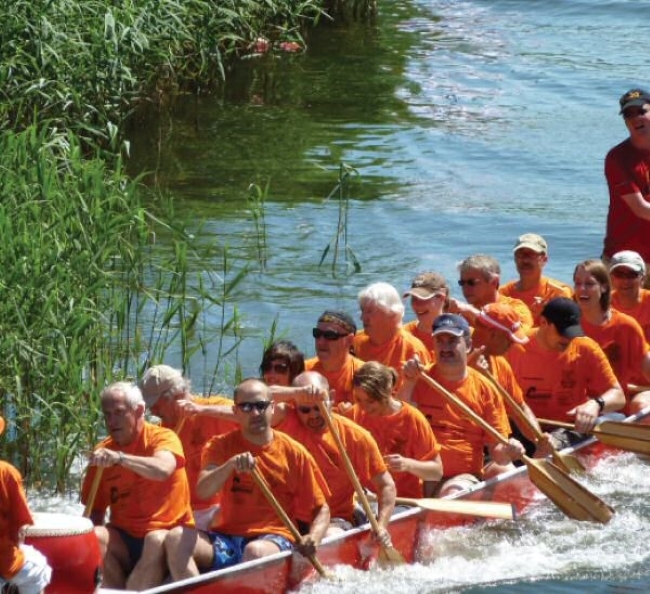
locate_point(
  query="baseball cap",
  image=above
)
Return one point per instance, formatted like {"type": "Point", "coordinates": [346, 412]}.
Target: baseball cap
{"type": "Point", "coordinates": [502, 317]}
{"type": "Point", "coordinates": [634, 98]}
{"type": "Point", "coordinates": [564, 314]}
{"type": "Point", "coordinates": [2, 425]}
{"type": "Point", "coordinates": [532, 241]}
{"type": "Point", "coordinates": [629, 259]}
{"type": "Point", "coordinates": [158, 380]}
{"type": "Point", "coordinates": [451, 324]}
{"type": "Point", "coordinates": [426, 285]}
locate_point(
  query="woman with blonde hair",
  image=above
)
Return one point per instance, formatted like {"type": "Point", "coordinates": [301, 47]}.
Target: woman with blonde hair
{"type": "Point", "coordinates": [402, 432]}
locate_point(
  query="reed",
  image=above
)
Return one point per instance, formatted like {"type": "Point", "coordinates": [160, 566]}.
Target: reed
{"type": "Point", "coordinates": [82, 280]}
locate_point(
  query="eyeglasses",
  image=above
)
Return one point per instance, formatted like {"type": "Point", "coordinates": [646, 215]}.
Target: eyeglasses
{"type": "Point", "coordinates": [305, 410]}
{"type": "Point", "coordinates": [633, 112]}
{"type": "Point", "coordinates": [248, 407]}
{"type": "Point", "coordinates": [470, 282]}
{"type": "Point", "coordinates": [326, 334]}
{"type": "Point", "coordinates": [631, 275]}
{"type": "Point", "coordinates": [275, 367]}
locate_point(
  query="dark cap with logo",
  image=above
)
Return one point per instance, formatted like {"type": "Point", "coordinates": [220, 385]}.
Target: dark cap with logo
{"type": "Point", "coordinates": [451, 324]}
{"type": "Point", "coordinates": [634, 98]}
{"type": "Point", "coordinates": [564, 314]}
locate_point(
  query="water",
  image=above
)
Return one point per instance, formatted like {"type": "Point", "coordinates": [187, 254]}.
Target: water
{"type": "Point", "coordinates": [470, 122]}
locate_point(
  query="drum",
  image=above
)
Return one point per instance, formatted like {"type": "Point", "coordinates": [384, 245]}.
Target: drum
{"type": "Point", "coordinates": [71, 548]}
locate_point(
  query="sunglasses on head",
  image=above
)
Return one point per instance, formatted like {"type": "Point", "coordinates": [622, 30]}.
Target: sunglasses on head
{"type": "Point", "coordinates": [326, 334]}
{"type": "Point", "coordinates": [276, 367]}
{"type": "Point", "coordinates": [305, 410]}
{"type": "Point", "coordinates": [260, 406]}
{"type": "Point", "coordinates": [470, 282]}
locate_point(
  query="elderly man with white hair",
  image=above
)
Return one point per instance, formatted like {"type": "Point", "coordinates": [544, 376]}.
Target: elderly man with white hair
{"type": "Point", "coordinates": [142, 483]}
{"type": "Point", "coordinates": [383, 338]}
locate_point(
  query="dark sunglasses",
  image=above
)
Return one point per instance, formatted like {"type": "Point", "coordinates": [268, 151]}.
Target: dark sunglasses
{"type": "Point", "coordinates": [471, 282]}
{"type": "Point", "coordinates": [305, 410]}
{"type": "Point", "coordinates": [633, 112]}
{"type": "Point", "coordinates": [276, 367]}
{"type": "Point", "coordinates": [326, 334]}
{"type": "Point", "coordinates": [623, 274]}
{"type": "Point", "coordinates": [248, 407]}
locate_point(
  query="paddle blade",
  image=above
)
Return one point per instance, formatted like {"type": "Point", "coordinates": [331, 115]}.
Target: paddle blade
{"type": "Point", "coordinates": [571, 497]}
{"type": "Point", "coordinates": [390, 556]}
{"type": "Point", "coordinates": [628, 430]}
{"type": "Point", "coordinates": [482, 509]}
{"type": "Point", "coordinates": [629, 444]}
{"type": "Point", "coordinates": [567, 462]}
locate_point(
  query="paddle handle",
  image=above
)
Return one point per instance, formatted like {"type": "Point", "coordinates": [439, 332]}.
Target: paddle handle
{"type": "Point", "coordinates": [179, 425]}
{"type": "Point", "coordinates": [93, 491]}
{"type": "Point", "coordinates": [458, 403]}
{"type": "Point", "coordinates": [562, 424]}
{"type": "Point", "coordinates": [637, 388]}
{"type": "Point", "coordinates": [361, 494]}
{"type": "Point", "coordinates": [286, 520]}
{"type": "Point", "coordinates": [514, 404]}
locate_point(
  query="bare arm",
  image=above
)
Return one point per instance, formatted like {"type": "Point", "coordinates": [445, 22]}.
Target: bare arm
{"type": "Point", "coordinates": [158, 467]}
{"type": "Point", "coordinates": [213, 478]}
{"type": "Point", "coordinates": [638, 205]}
{"type": "Point", "coordinates": [587, 413]}
{"type": "Point", "coordinates": [386, 493]}
{"type": "Point", "coordinates": [320, 523]}
{"type": "Point", "coordinates": [427, 470]}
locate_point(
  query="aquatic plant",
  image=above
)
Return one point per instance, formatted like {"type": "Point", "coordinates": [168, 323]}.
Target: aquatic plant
{"type": "Point", "coordinates": [339, 242]}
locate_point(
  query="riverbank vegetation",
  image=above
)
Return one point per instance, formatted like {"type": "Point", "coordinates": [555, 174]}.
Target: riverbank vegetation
{"type": "Point", "coordinates": [100, 277]}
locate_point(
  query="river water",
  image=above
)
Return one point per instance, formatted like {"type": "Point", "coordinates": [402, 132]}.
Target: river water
{"type": "Point", "coordinates": [469, 122]}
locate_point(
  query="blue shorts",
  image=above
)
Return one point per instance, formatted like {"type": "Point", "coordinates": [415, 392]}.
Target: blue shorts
{"type": "Point", "coordinates": [134, 544]}
{"type": "Point", "coordinates": [229, 550]}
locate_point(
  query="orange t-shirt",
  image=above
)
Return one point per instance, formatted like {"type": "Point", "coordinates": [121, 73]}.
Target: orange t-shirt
{"type": "Point", "coordinates": [640, 312]}
{"type": "Point", "coordinates": [340, 380]}
{"type": "Point", "coordinates": [622, 341]}
{"type": "Point", "coordinates": [537, 297]}
{"type": "Point", "coordinates": [139, 505]}
{"type": "Point", "coordinates": [554, 382]}
{"type": "Point", "coordinates": [288, 468]}
{"type": "Point", "coordinates": [461, 440]}
{"type": "Point", "coordinates": [525, 315]}
{"type": "Point", "coordinates": [14, 513]}
{"type": "Point", "coordinates": [194, 434]}
{"type": "Point", "coordinates": [426, 338]}
{"type": "Point", "coordinates": [502, 372]}
{"type": "Point", "coordinates": [406, 432]}
{"type": "Point", "coordinates": [402, 347]}
{"type": "Point", "coordinates": [361, 448]}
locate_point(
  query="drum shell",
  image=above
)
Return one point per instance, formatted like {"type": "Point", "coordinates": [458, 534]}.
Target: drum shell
{"type": "Point", "coordinates": [71, 548]}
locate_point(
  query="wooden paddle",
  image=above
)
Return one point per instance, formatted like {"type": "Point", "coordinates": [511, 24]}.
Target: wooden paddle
{"type": "Point", "coordinates": [387, 553]}
{"type": "Point", "coordinates": [570, 496]}
{"type": "Point", "coordinates": [631, 437]}
{"type": "Point", "coordinates": [483, 509]}
{"type": "Point", "coordinates": [93, 491]}
{"type": "Point", "coordinates": [637, 388]}
{"type": "Point", "coordinates": [286, 520]}
{"type": "Point", "coordinates": [566, 462]}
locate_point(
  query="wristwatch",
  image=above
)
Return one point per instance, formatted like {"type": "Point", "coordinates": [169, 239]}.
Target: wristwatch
{"type": "Point", "coordinates": [601, 403]}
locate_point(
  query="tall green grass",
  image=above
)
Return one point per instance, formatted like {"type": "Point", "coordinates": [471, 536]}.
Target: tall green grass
{"type": "Point", "coordinates": [87, 296]}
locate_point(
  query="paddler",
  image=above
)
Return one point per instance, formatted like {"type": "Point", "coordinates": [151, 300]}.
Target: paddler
{"type": "Point", "coordinates": [248, 525]}
{"type": "Point", "coordinates": [21, 566]}
{"type": "Point", "coordinates": [144, 487]}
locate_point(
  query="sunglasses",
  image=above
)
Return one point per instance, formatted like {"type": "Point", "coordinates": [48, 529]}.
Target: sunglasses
{"type": "Point", "coordinates": [326, 334]}
{"type": "Point", "coordinates": [305, 410]}
{"type": "Point", "coordinates": [633, 112]}
{"type": "Point", "coordinates": [275, 367]}
{"type": "Point", "coordinates": [623, 274]}
{"type": "Point", "coordinates": [470, 282]}
{"type": "Point", "coordinates": [248, 407]}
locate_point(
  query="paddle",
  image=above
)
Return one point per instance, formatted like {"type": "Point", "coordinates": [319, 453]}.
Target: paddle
{"type": "Point", "coordinates": [484, 509]}
{"type": "Point", "coordinates": [93, 492]}
{"type": "Point", "coordinates": [286, 520]}
{"type": "Point", "coordinates": [564, 461]}
{"type": "Point", "coordinates": [570, 496]}
{"type": "Point", "coordinates": [631, 437]}
{"type": "Point", "coordinates": [387, 553]}
{"type": "Point", "coordinates": [637, 388]}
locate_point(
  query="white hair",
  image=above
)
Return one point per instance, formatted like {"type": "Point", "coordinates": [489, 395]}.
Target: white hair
{"type": "Point", "coordinates": [384, 296]}
{"type": "Point", "coordinates": [131, 393]}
